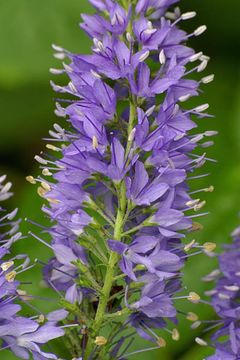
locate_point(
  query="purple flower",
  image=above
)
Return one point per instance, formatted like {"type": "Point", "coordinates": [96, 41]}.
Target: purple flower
{"type": "Point", "coordinates": [225, 300]}
{"type": "Point", "coordinates": [121, 169]}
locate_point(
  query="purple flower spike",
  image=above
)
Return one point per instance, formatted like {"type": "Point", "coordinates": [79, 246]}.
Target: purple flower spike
{"type": "Point", "coordinates": [116, 192]}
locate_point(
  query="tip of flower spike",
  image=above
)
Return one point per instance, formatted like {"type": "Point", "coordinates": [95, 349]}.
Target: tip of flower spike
{"type": "Point", "coordinates": [100, 341]}
{"type": "Point", "coordinates": [200, 341]}
{"type": "Point", "coordinates": [175, 335]}
{"type": "Point", "coordinates": [188, 15]}
{"type": "Point", "coordinates": [192, 316]}
{"type": "Point", "coordinates": [209, 246]}
{"type": "Point", "coordinates": [161, 342]}
{"type": "Point", "coordinates": [193, 297]}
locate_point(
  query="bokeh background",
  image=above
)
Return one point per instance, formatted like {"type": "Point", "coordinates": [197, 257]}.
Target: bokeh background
{"type": "Point", "coordinates": [27, 30]}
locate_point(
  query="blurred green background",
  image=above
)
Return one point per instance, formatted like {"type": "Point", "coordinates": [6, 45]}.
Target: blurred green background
{"type": "Point", "coordinates": [27, 30]}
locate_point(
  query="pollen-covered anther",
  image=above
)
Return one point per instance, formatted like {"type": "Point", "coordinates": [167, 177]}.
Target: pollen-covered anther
{"type": "Point", "coordinates": [46, 172]}
{"type": "Point", "coordinates": [196, 227]}
{"type": "Point", "coordinates": [193, 297]}
{"type": "Point", "coordinates": [94, 142]}
{"type": "Point", "coordinates": [191, 203]}
{"type": "Point", "coordinates": [41, 191]}
{"type": "Point", "coordinates": [52, 147]}
{"type": "Point", "coordinates": [53, 201]}
{"type": "Point", "coordinates": [31, 179]}
{"type": "Point", "coordinates": [41, 319]}
{"type": "Point", "coordinates": [199, 206]}
{"type": "Point", "coordinates": [200, 341]}
{"type": "Point", "coordinates": [175, 335]}
{"type": "Point", "coordinates": [100, 341]}
{"type": "Point", "coordinates": [200, 30]}
{"type": "Point", "coordinates": [209, 246]}
{"type": "Point", "coordinates": [45, 186]}
{"type": "Point", "coordinates": [191, 316]}
{"type": "Point", "coordinates": [6, 265]}
{"type": "Point", "coordinates": [161, 342]}
{"type": "Point", "coordinates": [10, 277]}
{"type": "Point", "coordinates": [189, 246]}
{"type": "Point", "coordinates": [188, 15]}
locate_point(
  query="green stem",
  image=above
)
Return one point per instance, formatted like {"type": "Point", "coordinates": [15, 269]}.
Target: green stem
{"type": "Point", "coordinates": [110, 273]}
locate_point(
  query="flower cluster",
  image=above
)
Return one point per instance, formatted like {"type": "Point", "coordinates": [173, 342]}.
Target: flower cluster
{"type": "Point", "coordinates": [115, 185]}
{"type": "Point", "coordinates": [19, 334]}
{"type": "Point", "coordinates": [225, 301]}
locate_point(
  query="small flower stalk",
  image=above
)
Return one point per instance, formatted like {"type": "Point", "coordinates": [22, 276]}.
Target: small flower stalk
{"type": "Point", "coordinates": [115, 182]}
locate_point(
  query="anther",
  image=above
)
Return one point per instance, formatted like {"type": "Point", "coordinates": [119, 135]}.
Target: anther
{"type": "Point", "coordinates": [52, 147]}
{"type": "Point", "coordinates": [193, 297]}
{"type": "Point", "coordinates": [175, 335]}
{"type": "Point", "coordinates": [200, 30]}
{"type": "Point", "coordinates": [95, 74]}
{"type": "Point", "coordinates": [189, 246]}
{"type": "Point", "coordinates": [56, 71]}
{"type": "Point", "coordinates": [46, 172]}
{"type": "Point", "coordinates": [6, 265]}
{"type": "Point", "coordinates": [94, 142]}
{"type": "Point", "coordinates": [199, 206]}
{"type": "Point", "coordinates": [195, 325]}
{"type": "Point", "coordinates": [100, 341]}
{"type": "Point", "coordinates": [41, 191]}
{"type": "Point", "coordinates": [209, 246]}
{"type": "Point", "coordinates": [208, 79]}
{"type": "Point", "coordinates": [188, 15]}
{"type": "Point", "coordinates": [192, 316]}
{"type": "Point", "coordinates": [195, 57]}
{"type": "Point", "coordinates": [231, 287]}
{"type": "Point", "coordinates": [200, 341]}
{"type": "Point", "coordinates": [161, 342]}
{"type": "Point", "coordinates": [45, 186]}
{"type": "Point", "coordinates": [40, 160]}
{"type": "Point", "coordinates": [184, 97]}
{"type": "Point", "coordinates": [201, 108]}
{"type": "Point", "coordinates": [144, 56]}
{"type": "Point", "coordinates": [202, 66]}
{"type": "Point", "coordinates": [31, 179]}
{"type": "Point", "coordinates": [10, 277]}
{"type": "Point", "coordinates": [162, 57]}
{"type": "Point", "coordinates": [132, 135]}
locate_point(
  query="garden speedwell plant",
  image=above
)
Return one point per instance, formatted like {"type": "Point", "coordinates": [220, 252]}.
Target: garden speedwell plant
{"type": "Point", "coordinates": [115, 185]}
